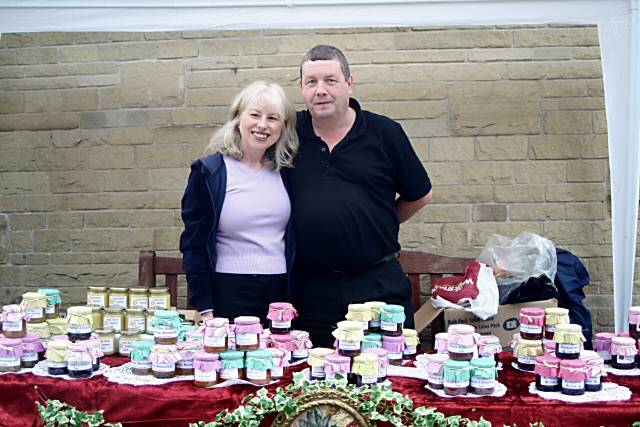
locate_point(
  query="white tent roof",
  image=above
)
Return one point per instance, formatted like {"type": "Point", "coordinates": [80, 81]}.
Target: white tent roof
{"type": "Point", "coordinates": [618, 24]}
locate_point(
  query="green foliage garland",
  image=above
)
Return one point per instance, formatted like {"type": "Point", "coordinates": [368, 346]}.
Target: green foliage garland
{"type": "Point", "coordinates": [59, 414]}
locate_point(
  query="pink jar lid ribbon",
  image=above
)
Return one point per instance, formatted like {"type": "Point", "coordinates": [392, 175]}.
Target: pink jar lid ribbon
{"type": "Point", "coordinates": [301, 339]}
{"type": "Point", "coordinates": [536, 320]}
{"type": "Point", "coordinates": [461, 339]}
{"type": "Point", "coordinates": [253, 328]}
{"type": "Point", "coordinates": [435, 368]}
{"type": "Point", "coordinates": [393, 347]}
{"type": "Point", "coordinates": [164, 358]}
{"type": "Point", "coordinates": [10, 351]}
{"type": "Point", "coordinates": [337, 367]}
{"type": "Point", "coordinates": [572, 374]}
{"type": "Point", "coordinates": [283, 345]}
{"type": "Point", "coordinates": [281, 312]}
{"type": "Point", "coordinates": [207, 365]}
{"type": "Point", "coordinates": [547, 368]}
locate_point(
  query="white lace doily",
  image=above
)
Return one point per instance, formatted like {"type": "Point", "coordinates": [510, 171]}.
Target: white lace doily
{"type": "Point", "coordinates": [498, 391]}
{"type": "Point", "coordinates": [622, 372]}
{"type": "Point", "coordinates": [21, 371]}
{"type": "Point", "coordinates": [422, 361]}
{"type": "Point", "coordinates": [41, 370]}
{"type": "Point", "coordinates": [609, 392]}
{"type": "Point", "coordinates": [407, 372]}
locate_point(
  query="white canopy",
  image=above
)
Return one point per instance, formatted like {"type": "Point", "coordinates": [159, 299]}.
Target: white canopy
{"type": "Point", "coordinates": [618, 24]}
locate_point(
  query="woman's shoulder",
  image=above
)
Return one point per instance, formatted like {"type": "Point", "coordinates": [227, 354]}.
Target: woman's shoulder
{"type": "Point", "coordinates": [210, 165]}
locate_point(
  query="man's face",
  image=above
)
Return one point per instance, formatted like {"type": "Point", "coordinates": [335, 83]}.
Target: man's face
{"type": "Point", "coordinates": [325, 89]}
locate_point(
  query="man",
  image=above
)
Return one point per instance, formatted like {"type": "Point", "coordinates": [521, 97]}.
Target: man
{"type": "Point", "coordinates": [350, 166]}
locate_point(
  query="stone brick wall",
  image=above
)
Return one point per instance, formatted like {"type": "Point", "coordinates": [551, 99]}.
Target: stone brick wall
{"type": "Point", "coordinates": [97, 131]}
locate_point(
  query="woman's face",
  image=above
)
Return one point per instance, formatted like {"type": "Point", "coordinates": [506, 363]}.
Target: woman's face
{"type": "Point", "coordinates": [260, 127]}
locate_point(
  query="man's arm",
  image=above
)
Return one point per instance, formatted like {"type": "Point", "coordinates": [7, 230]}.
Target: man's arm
{"type": "Point", "coordinates": [406, 210]}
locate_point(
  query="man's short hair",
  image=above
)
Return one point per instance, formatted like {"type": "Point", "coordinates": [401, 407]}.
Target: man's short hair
{"type": "Point", "coordinates": [325, 52]}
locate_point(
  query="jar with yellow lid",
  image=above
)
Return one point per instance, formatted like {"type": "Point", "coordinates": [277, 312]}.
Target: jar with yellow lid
{"type": "Point", "coordinates": [316, 362]}
{"type": "Point", "coordinates": [365, 368]}
{"type": "Point", "coordinates": [54, 302]}
{"type": "Point", "coordinates": [107, 339]}
{"type": "Point", "coordinates": [349, 335]}
{"type": "Point", "coordinates": [526, 353]}
{"type": "Point", "coordinates": [127, 338]}
{"type": "Point", "coordinates": [359, 313]}
{"type": "Point", "coordinates": [57, 326]}
{"type": "Point", "coordinates": [113, 318]}
{"type": "Point", "coordinates": [554, 316]}
{"type": "Point", "coordinates": [118, 298]}
{"type": "Point", "coordinates": [135, 319]}
{"type": "Point", "coordinates": [163, 360]}
{"type": "Point", "coordinates": [140, 351]}
{"type": "Point", "coordinates": [56, 356]}
{"type": "Point", "coordinates": [138, 298]}
{"type": "Point", "coordinates": [34, 304]}
{"type": "Point", "coordinates": [79, 323]}
{"type": "Point", "coordinates": [97, 296]}
{"type": "Point", "coordinates": [411, 342]}
{"type": "Point", "coordinates": [14, 321]}
{"type": "Point", "coordinates": [159, 299]}
{"type": "Point", "coordinates": [569, 339]}
{"type": "Point", "coordinates": [376, 308]}
{"type": "Point", "coordinates": [39, 329]}
{"type": "Point", "coordinates": [97, 313]}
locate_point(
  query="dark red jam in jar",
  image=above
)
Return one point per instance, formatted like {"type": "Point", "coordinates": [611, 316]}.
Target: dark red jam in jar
{"type": "Point", "coordinates": [546, 371]}
{"type": "Point", "coordinates": [634, 322]}
{"type": "Point", "coordinates": [280, 316]}
{"type": "Point", "coordinates": [573, 375]}
{"type": "Point", "coordinates": [623, 352]}
{"type": "Point", "coordinates": [531, 323]}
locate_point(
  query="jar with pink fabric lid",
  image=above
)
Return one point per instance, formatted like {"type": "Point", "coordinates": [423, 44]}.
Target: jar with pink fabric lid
{"type": "Point", "coordinates": [595, 370]}
{"type": "Point", "coordinates": [440, 343]}
{"type": "Point", "coordinates": [280, 315]}
{"type": "Point", "coordinates": [489, 346]}
{"type": "Point", "coordinates": [623, 352]}
{"type": "Point", "coordinates": [634, 322]}
{"type": "Point", "coordinates": [10, 354]}
{"type": "Point", "coordinates": [14, 321]}
{"type": "Point", "coordinates": [435, 370]}
{"type": "Point", "coordinates": [573, 374]}
{"type": "Point", "coordinates": [549, 347]}
{"type": "Point", "coordinates": [462, 342]}
{"type": "Point", "coordinates": [394, 347]}
{"type": "Point", "coordinates": [80, 359]}
{"type": "Point", "coordinates": [205, 369]}
{"type": "Point", "coordinates": [280, 362]}
{"type": "Point", "coordinates": [302, 343]}
{"type": "Point", "coordinates": [383, 361]}
{"type": "Point", "coordinates": [284, 342]}
{"type": "Point", "coordinates": [187, 351]}
{"type": "Point", "coordinates": [247, 330]}
{"type": "Point", "coordinates": [546, 371]}
{"type": "Point", "coordinates": [216, 333]}
{"type": "Point", "coordinates": [336, 364]}
{"type": "Point", "coordinates": [602, 345]}
{"type": "Point", "coordinates": [32, 351]}
{"type": "Point", "coordinates": [531, 323]}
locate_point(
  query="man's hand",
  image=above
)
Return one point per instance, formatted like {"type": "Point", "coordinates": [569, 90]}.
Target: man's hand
{"type": "Point", "coordinates": [406, 210]}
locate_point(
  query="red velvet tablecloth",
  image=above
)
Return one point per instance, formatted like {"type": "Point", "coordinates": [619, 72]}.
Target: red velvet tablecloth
{"type": "Point", "coordinates": [178, 403]}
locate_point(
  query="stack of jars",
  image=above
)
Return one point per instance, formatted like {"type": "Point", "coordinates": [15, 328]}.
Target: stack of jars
{"type": "Point", "coordinates": [537, 335]}
{"type": "Point", "coordinates": [83, 350]}
{"type": "Point", "coordinates": [282, 336]}
{"type": "Point", "coordinates": [17, 348]}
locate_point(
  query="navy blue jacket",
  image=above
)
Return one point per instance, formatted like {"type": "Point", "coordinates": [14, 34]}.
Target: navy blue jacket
{"type": "Point", "coordinates": [201, 206]}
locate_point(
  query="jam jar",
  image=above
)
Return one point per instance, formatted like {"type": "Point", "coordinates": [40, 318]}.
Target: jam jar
{"type": "Point", "coordinates": [349, 338]}
{"type": "Point", "coordinates": [54, 301]}
{"type": "Point", "coordinates": [554, 316]}
{"type": "Point", "coordinates": [34, 304]}
{"type": "Point", "coordinates": [107, 339]}
{"type": "Point", "coordinates": [483, 376]}
{"type": "Point", "coordinates": [127, 338]}
{"type": "Point", "coordinates": [79, 323]}
{"type": "Point", "coordinates": [602, 345]}
{"type": "Point", "coordinates": [280, 362]}
{"type": "Point", "coordinates": [79, 360]}
{"type": "Point", "coordinates": [32, 351]}
{"type": "Point", "coordinates": [569, 339]}
{"type": "Point", "coordinates": [14, 321]}
{"type": "Point", "coordinates": [94, 345]}
{"type": "Point", "coordinates": [531, 323]}
{"type": "Point", "coordinates": [97, 314]}
{"type": "Point", "coordinates": [196, 335]}
{"type": "Point", "coordinates": [383, 361]}
{"type": "Point", "coordinates": [39, 329]}
{"type": "Point", "coordinates": [546, 371]}
{"type": "Point", "coordinates": [392, 318]}
{"type": "Point", "coordinates": [283, 342]}
{"type": "Point", "coordinates": [163, 360]}
{"type": "Point", "coordinates": [10, 354]}
{"type": "Point", "coordinates": [634, 322]}
{"type": "Point", "coordinates": [280, 315]}
{"type": "Point", "coordinates": [461, 343]}
{"type": "Point", "coordinates": [258, 365]}
{"type": "Point", "coordinates": [365, 368]}
{"type": "Point", "coordinates": [372, 341]}
{"type": "Point", "coordinates": [166, 325]}
{"type": "Point", "coordinates": [138, 298]}
{"type": "Point", "coordinates": [573, 375]}
{"type": "Point", "coordinates": [526, 354]}
{"type": "Point", "coordinates": [594, 366]}
{"type": "Point", "coordinates": [140, 351]}
{"type": "Point", "coordinates": [119, 298]}
{"type": "Point", "coordinates": [435, 370]}
{"type": "Point", "coordinates": [549, 347]}
{"type": "Point", "coordinates": [205, 369]}
{"type": "Point", "coordinates": [57, 326]}
{"type": "Point", "coordinates": [232, 365]}
{"type": "Point", "coordinates": [316, 361]}
{"type": "Point", "coordinates": [336, 366]}
{"type": "Point", "coordinates": [456, 376]}
{"type": "Point", "coordinates": [302, 345]}
{"type": "Point", "coordinates": [411, 342]}
{"type": "Point", "coordinates": [216, 331]}
{"type": "Point", "coordinates": [623, 352]}
{"type": "Point", "coordinates": [186, 349]}
{"type": "Point", "coordinates": [489, 346]}
{"type": "Point", "coordinates": [135, 320]}
{"type": "Point", "coordinates": [359, 313]}
{"type": "Point", "coordinates": [440, 344]}
{"type": "Point", "coordinates": [97, 296]}
{"type": "Point", "coordinates": [56, 356]}
{"type": "Point", "coordinates": [113, 318]}
{"type": "Point", "coordinates": [159, 299]}
{"type": "Point", "coordinates": [247, 330]}
{"type": "Point", "coordinates": [376, 308]}
{"type": "Point", "coordinates": [395, 347]}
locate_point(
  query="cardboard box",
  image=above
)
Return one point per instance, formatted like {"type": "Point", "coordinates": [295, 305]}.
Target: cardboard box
{"type": "Point", "coordinates": [503, 325]}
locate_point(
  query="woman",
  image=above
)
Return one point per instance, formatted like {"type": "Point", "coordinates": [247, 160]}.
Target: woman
{"type": "Point", "coordinates": [237, 243]}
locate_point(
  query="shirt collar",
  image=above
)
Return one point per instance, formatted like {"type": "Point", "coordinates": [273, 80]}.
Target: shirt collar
{"type": "Point", "coordinates": [305, 125]}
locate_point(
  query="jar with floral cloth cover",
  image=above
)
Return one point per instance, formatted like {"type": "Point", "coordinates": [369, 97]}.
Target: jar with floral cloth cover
{"type": "Point", "coordinates": [554, 316]}
{"type": "Point", "coordinates": [372, 340]}
{"type": "Point", "coordinates": [232, 365]}
{"type": "Point", "coordinates": [461, 343]}
{"type": "Point", "coordinates": [14, 321]}
{"type": "Point", "coordinates": [456, 377]}
{"type": "Point", "coordinates": [531, 323]}
{"type": "Point", "coordinates": [185, 328]}
{"type": "Point", "coordinates": [489, 346]}
{"type": "Point", "coordinates": [440, 344]}
{"type": "Point", "coordinates": [10, 354]}
{"type": "Point", "coordinates": [411, 342]}
{"type": "Point", "coordinates": [196, 334]}
{"type": "Point", "coordinates": [34, 304]}
{"type": "Point", "coordinates": [634, 322]}
{"type": "Point", "coordinates": [216, 332]}
{"type": "Point", "coordinates": [383, 361]}
{"type": "Point", "coordinates": [187, 350]}
{"type": "Point", "coordinates": [365, 368]}
{"type": "Point", "coordinates": [280, 362]}
{"type": "Point", "coordinates": [302, 344]}
{"type": "Point", "coordinates": [166, 326]}
{"type": "Point", "coordinates": [526, 354]}
{"type": "Point", "coordinates": [79, 360]}
{"type": "Point", "coordinates": [349, 336]}
{"type": "Point", "coordinates": [258, 365]}
{"type": "Point", "coordinates": [595, 370]}
{"type": "Point", "coordinates": [56, 356]}
{"type": "Point", "coordinates": [316, 361]}
{"type": "Point", "coordinates": [284, 342]}
{"type": "Point", "coordinates": [392, 319]}
{"type": "Point", "coordinates": [39, 329]}
{"type": "Point", "coordinates": [569, 339]}
{"type": "Point", "coordinates": [572, 374]}
{"type": "Point", "coordinates": [359, 313]}
{"type": "Point", "coordinates": [163, 360]}
{"type": "Point", "coordinates": [394, 346]}
{"type": "Point", "coordinates": [335, 363]}
{"type": "Point", "coordinates": [118, 298]}
{"type": "Point", "coordinates": [32, 351]}
{"type": "Point", "coordinates": [54, 302]}
{"type": "Point", "coordinates": [546, 371]}
{"type": "Point", "coordinates": [376, 308]}
{"type": "Point", "coordinates": [623, 352]}
{"type": "Point", "coordinates": [140, 362]}
{"type": "Point", "coordinates": [435, 370]}
{"type": "Point", "coordinates": [483, 376]}
{"type": "Point", "coordinates": [247, 330]}
{"type": "Point", "coordinates": [602, 345]}
{"type": "Point", "coordinates": [205, 369]}
{"type": "Point", "coordinates": [96, 351]}
{"type": "Point", "coordinates": [79, 323]}
{"type": "Point", "coordinates": [280, 315]}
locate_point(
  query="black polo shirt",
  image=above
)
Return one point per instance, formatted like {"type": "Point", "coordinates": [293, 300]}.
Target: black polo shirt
{"type": "Point", "coordinates": [344, 201]}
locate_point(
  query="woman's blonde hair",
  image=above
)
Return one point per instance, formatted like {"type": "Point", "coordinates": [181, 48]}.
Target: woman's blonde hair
{"type": "Point", "coordinates": [226, 140]}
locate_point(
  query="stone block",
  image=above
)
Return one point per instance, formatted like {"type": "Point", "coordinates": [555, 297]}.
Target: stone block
{"type": "Point", "coordinates": [38, 121]}
{"type": "Point", "coordinates": [415, 56]}
{"type": "Point", "coordinates": [466, 194]}
{"type": "Point", "coordinates": [215, 78]}
{"type": "Point", "coordinates": [425, 127]}
{"type": "Point", "coordinates": [260, 46]}
{"type": "Point", "coordinates": [450, 149]}
{"type": "Point", "coordinates": [20, 39]}
{"type": "Point", "coordinates": [152, 84]}
{"type": "Point", "coordinates": [91, 201]}
{"type": "Point", "coordinates": [168, 179]}
{"type": "Point", "coordinates": [77, 139]}
{"type": "Point", "coordinates": [109, 98]}
{"type": "Point", "coordinates": [540, 70]}
{"type": "Point", "coordinates": [126, 51]}
{"type": "Point", "coordinates": [484, 172]}
{"type": "Point", "coordinates": [489, 213]}
{"type": "Point", "coordinates": [119, 257]}
{"type": "Point", "coordinates": [502, 148]}
{"type": "Point", "coordinates": [56, 38]}
{"type": "Point", "coordinates": [79, 53]}
{"type": "Point", "coordinates": [456, 234]}
{"type": "Point", "coordinates": [444, 173]}
{"type": "Point", "coordinates": [129, 219]}
{"type": "Point", "coordinates": [29, 258]}
{"type": "Point", "coordinates": [576, 192]}
{"type": "Point", "coordinates": [563, 88]}
{"type": "Point", "coordinates": [567, 122]}
{"type": "Point", "coordinates": [504, 54]}
{"type": "Point", "coordinates": [586, 211]}
{"type": "Point", "coordinates": [53, 240]}
{"type": "Point", "coordinates": [80, 100]}
{"type": "Point", "coordinates": [160, 156]}
{"type": "Point", "coordinates": [480, 233]}
{"type": "Point", "coordinates": [399, 110]}
{"type": "Point", "coordinates": [595, 87]}
{"type": "Point", "coordinates": [282, 76]}
{"type": "Point", "coordinates": [37, 55]}
{"type": "Point", "coordinates": [369, 73]}
{"type": "Point", "coordinates": [536, 212]}
{"type": "Point", "coordinates": [9, 72]}
{"type": "Point", "coordinates": [215, 97]}
{"type": "Point", "coordinates": [233, 62]}
{"type": "Point", "coordinates": [28, 221]}
{"type": "Point", "coordinates": [131, 136]}
{"type": "Point", "coordinates": [176, 49]}
{"type": "Point", "coordinates": [71, 258]}
{"type": "Point", "coordinates": [418, 236]}
{"type": "Point", "coordinates": [148, 200]}
{"type": "Point", "coordinates": [75, 182]}
{"type": "Point", "coordinates": [540, 172]}
{"type": "Point", "coordinates": [111, 157]}
{"type": "Point", "coordinates": [112, 239]}
{"type": "Point", "coordinates": [599, 122]}
{"type": "Point", "coordinates": [400, 91]}
{"type": "Point", "coordinates": [11, 102]}
{"type": "Point", "coordinates": [551, 53]}
{"type": "Point", "coordinates": [450, 39]}
{"type": "Point", "coordinates": [166, 238]}
{"type": "Point", "coordinates": [602, 233]}
{"type": "Point", "coordinates": [126, 180]}
{"type": "Point", "coordinates": [591, 52]}
{"type": "Point", "coordinates": [582, 103]}
{"type": "Point", "coordinates": [586, 36]}
{"type": "Point", "coordinates": [554, 147]}
{"type": "Point", "coordinates": [65, 220]}
{"type": "Point", "coordinates": [587, 170]}
{"type": "Point", "coordinates": [23, 182]}
{"type": "Point", "coordinates": [182, 135]}
{"type": "Point", "coordinates": [62, 159]}
{"type": "Point", "coordinates": [568, 232]}
{"type": "Point", "coordinates": [24, 140]}
{"type": "Point", "coordinates": [595, 146]}
{"type": "Point", "coordinates": [494, 108]}
{"type": "Point", "coordinates": [219, 47]}
{"type": "Point", "coordinates": [467, 71]}
{"type": "Point", "coordinates": [444, 213]}
{"type": "Point", "coordinates": [520, 193]}
{"type": "Point", "coordinates": [198, 116]}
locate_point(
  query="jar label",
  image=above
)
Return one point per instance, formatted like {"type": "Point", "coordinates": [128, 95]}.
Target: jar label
{"type": "Point", "coordinates": [284, 324]}
{"type": "Point", "coordinates": [51, 309]}
{"type": "Point", "coordinates": [410, 349]}
{"type": "Point", "coordinates": [29, 356]}
{"type": "Point", "coordinates": [118, 301]}
{"type": "Point", "coordinates": [136, 323]}
{"type": "Point", "coordinates": [112, 322]}
{"type": "Point", "coordinates": [394, 355]}
{"type": "Point", "coordinates": [96, 300]}
{"type": "Point", "coordinates": [549, 381]}
{"type": "Point", "coordinates": [158, 303]}
{"type": "Point", "coordinates": [530, 329]}
{"type": "Point", "coordinates": [9, 361]}
{"type": "Point", "coordinates": [317, 371]}
{"type": "Point", "coordinates": [443, 351]}
{"type": "Point", "coordinates": [149, 324]}
{"type": "Point", "coordinates": [79, 328]}
{"type": "Point", "coordinates": [79, 364]}
{"type": "Point", "coordinates": [369, 379]}
{"type": "Point", "coordinates": [256, 374]}
{"type": "Point", "coordinates": [301, 354]}
{"type": "Point", "coordinates": [142, 364]}
{"type": "Point", "coordinates": [527, 360]}
{"type": "Point", "coordinates": [374, 323]}
{"type": "Point", "coordinates": [164, 332]}
{"type": "Point", "coordinates": [205, 376]}
{"type": "Point", "coordinates": [365, 324]}
{"type": "Point", "coordinates": [277, 371]}
{"type": "Point", "coordinates": [9, 326]}
{"type": "Point", "coordinates": [52, 364]}
{"type": "Point", "coordinates": [460, 348]}
{"type": "Point", "coordinates": [568, 348]}
{"type": "Point", "coordinates": [107, 345]}
{"type": "Point", "coordinates": [125, 346]}
{"type": "Point", "coordinates": [455, 384]}
{"type": "Point", "coordinates": [382, 372]}
{"type": "Point", "coordinates": [389, 326]}
{"type": "Point", "coordinates": [34, 312]}
{"type": "Point", "coordinates": [214, 341]}
{"type": "Point", "coordinates": [185, 364]}
{"type": "Point", "coordinates": [435, 378]}
{"type": "Point", "coordinates": [593, 380]}
{"type": "Point", "coordinates": [246, 339]}
{"type": "Point", "coordinates": [626, 359]}
{"type": "Point", "coordinates": [480, 382]}
{"type": "Point", "coordinates": [140, 302]}
{"type": "Point", "coordinates": [572, 385]}
{"type": "Point", "coordinates": [330, 376]}
{"type": "Point", "coordinates": [550, 328]}
{"type": "Point", "coordinates": [348, 345]}
{"type": "Point", "coordinates": [163, 367]}
{"type": "Point", "coordinates": [229, 374]}
{"type": "Point", "coordinates": [606, 355]}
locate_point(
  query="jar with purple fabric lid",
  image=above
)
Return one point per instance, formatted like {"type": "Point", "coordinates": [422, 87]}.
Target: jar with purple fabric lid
{"type": "Point", "coordinates": [462, 342]}
{"type": "Point", "coordinates": [280, 362]}
{"type": "Point", "coordinates": [435, 370]}
{"type": "Point", "coordinates": [186, 350]}
{"type": "Point", "coordinates": [623, 352]}
{"type": "Point", "coordinates": [10, 354]}
{"type": "Point", "coordinates": [595, 370]}
{"type": "Point", "coordinates": [205, 369]}
{"type": "Point", "coordinates": [336, 364]}
{"type": "Point", "coordinates": [79, 360]}
{"type": "Point", "coordinates": [602, 345]}
{"type": "Point", "coordinates": [394, 346]}
{"type": "Point", "coordinates": [14, 321]}
{"type": "Point", "coordinates": [440, 343]}
{"type": "Point", "coordinates": [531, 323]}
{"type": "Point", "coordinates": [32, 351]}
{"type": "Point", "coordinates": [216, 334]}
{"type": "Point", "coordinates": [284, 342]}
{"type": "Point", "coordinates": [247, 332]}
{"type": "Point", "coordinates": [302, 343]}
{"type": "Point", "coordinates": [489, 346]}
